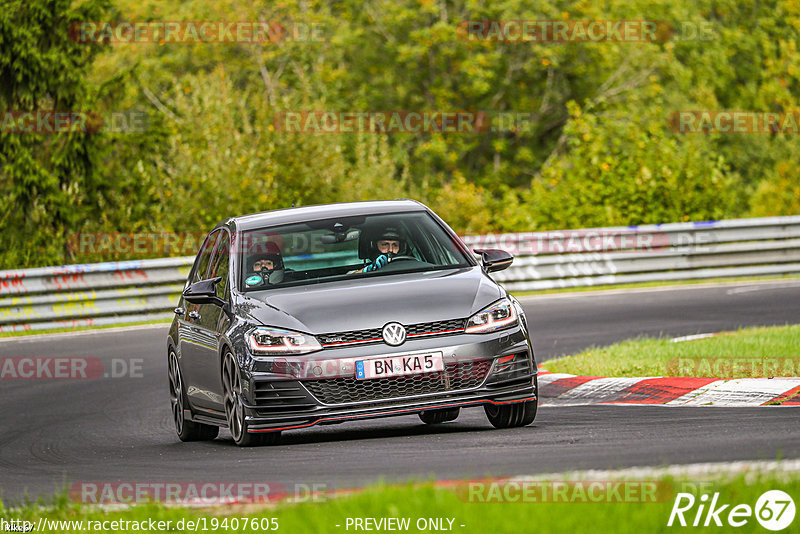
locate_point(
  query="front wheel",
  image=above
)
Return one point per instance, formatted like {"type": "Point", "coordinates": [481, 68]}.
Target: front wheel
{"type": "Point", "coordinates": [234, 409]}
{"type": "Point", "coordinates": [186, 430]}
{"type": "Point", "coordinates": [511, 415]}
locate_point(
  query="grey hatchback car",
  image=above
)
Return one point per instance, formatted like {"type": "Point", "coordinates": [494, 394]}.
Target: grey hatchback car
{"type": "Point", "coordinates": [326, 314]}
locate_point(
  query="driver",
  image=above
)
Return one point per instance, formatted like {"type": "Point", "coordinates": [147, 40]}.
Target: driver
{"type": "Point", "coordinates": [388, 246]}
{"type": "Point", "coordinates": [264, 265]}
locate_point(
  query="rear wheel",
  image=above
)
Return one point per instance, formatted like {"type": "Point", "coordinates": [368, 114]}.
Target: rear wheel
{"type": "Point", "coordinates": [186, 430]}
{"type": "Point", "coordinates": [435, 417]}
{"type": "Point", "coordinates": [234, 408]}
{"type": "Point", "coordinates": [511, 415]}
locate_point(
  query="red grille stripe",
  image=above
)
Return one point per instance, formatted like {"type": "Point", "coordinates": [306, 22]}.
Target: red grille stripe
{"type": "Point", "coordinates": [435, 333]}
{"type": "Point", "coordinates": [351, 342]}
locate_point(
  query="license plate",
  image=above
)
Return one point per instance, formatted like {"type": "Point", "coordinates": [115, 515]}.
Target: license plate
{"type": "Point", "coordinates": [399, 366]}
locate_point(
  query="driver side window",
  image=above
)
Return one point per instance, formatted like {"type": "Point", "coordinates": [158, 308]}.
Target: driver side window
{"type": "Point", "coordinates": [204, 258]}
{"type": "Point", "coordinates": [219, 265]}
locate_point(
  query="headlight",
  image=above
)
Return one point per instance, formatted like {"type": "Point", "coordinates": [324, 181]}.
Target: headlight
{"type": "Point", "coordinates": [499, 315]}
{"type": "Point", "coordinates": [275, 341]}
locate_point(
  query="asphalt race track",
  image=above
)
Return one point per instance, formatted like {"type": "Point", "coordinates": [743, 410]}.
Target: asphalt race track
{"type": "Point", "coordinates": [57, 432]}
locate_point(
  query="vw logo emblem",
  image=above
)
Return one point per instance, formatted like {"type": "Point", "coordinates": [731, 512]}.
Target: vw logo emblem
{"type": "Point", "coordinates": [394, 334]}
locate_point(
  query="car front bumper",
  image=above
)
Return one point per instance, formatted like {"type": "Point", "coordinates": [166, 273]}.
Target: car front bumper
{"type": "Point", "coordinates": [292, 393]}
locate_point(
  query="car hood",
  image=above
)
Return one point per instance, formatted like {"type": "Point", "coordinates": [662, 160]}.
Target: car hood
{"type": "Point", "coordinates": [371, 303]}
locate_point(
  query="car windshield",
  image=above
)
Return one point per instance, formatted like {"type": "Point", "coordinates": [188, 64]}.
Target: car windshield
{"type": "Point", "coordinates": [345, 248]}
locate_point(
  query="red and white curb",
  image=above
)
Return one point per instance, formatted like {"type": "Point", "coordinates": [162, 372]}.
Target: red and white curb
{"type": "Point", "coordinates": [561, 389]}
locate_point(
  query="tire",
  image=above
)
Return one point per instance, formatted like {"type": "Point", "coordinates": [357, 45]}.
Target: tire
{"type": "Point", "coordinates": [234, 409]}
{"type": "Point", "coordinates": [186, 430]}
{"type": "Point", "coordinates": [436, 417]}
{"type": "Point", "coordinates": [511, 415]}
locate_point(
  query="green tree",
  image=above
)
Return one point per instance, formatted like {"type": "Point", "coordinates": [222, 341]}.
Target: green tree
{"type": "Point", "coordinates": [621, 170]}
{"type": "Point", "coordinates": [595, 148]}
{"type": "Point", "coordinates": [44, 178]}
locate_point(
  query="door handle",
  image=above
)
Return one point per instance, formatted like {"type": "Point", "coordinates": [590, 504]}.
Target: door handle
{"type": "Point", "coordinates": [194, 315]}
{"type": "Point", "coordinates": [179, 311]}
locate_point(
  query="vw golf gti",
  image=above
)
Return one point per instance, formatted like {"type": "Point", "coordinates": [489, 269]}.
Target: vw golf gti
{"type": "Point", "coordinates": [327, 314]}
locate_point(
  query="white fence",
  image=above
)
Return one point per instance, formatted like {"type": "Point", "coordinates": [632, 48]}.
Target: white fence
{"type": "Point", "coordinates": [145, 290]}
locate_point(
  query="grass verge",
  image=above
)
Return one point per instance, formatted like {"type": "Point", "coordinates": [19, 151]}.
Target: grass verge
{"type": "Point", "coordinates": [747, 353]}
{"type": "Point", "coordinates": [576, 509]}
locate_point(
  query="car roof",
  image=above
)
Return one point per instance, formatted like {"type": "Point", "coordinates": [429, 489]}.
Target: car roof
{"type": "Point", "coordinates": [323, 211]}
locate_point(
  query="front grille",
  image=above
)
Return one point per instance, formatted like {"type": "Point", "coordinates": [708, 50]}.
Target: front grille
{"type": "Point", "coordinates": [276, 397]}
{"type": "Point", "coordinates": [374, 335]}
{"type": "Point", "coordinates": [453, 326]}
{"type": "Point", "coordinates": [355, 336]}
{"type": "Point", "coordinates": [456, 377]}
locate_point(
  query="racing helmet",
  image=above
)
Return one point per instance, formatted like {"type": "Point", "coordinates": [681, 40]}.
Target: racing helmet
{"type": "Point", "coordinates": [390, 233]}
{"type": "Point", "coordinates": [266, 250]}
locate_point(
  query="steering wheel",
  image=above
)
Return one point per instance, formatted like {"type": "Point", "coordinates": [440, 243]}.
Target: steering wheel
{"type": "Point", "coordinates": [404, 258]}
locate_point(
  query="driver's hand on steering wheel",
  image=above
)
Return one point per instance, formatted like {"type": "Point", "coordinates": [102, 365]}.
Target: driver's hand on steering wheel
{"type": "Point", "coordinates": [379, 262]}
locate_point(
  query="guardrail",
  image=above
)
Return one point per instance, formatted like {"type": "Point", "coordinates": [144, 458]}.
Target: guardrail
{"type": "Point", "coordinates": [91, 294]}
{"type": "Point", "coordinates": [147, 290]}
{"type": "Point", "coordinates": [648, 253]}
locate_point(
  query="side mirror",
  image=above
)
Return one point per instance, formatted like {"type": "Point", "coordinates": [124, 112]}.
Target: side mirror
{"type": "Point", "coordinates": [204, 292]}
{"type": "Point", "coordinates": [494, 260]}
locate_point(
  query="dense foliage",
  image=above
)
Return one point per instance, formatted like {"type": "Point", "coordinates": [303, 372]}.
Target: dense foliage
{"type": "Point", "coordinates": [595, 147]}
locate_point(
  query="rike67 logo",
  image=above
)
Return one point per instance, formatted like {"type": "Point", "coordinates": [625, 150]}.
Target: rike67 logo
{"type": "Point", "coordinates": [774, 510]}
